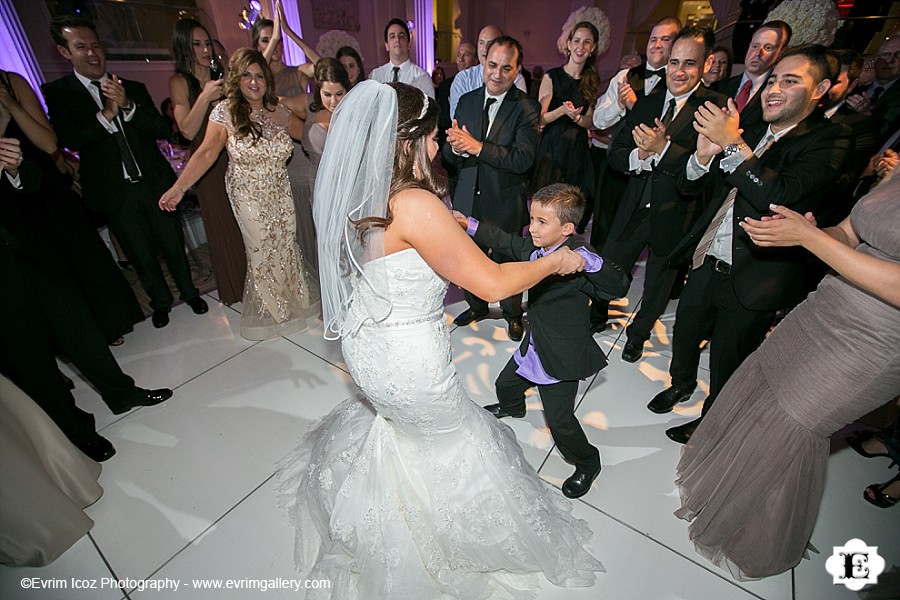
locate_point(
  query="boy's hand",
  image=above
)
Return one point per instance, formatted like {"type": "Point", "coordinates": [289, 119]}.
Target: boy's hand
{"type": "Point", "coordinates": [462, 219]}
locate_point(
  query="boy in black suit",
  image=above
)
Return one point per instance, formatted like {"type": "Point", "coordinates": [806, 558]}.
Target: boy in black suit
{"type": "Point", "coordinates": [558, 350]}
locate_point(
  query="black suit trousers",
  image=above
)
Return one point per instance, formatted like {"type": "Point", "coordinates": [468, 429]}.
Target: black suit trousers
{"type": "Point", "coordinates": [144, 231]}
{"type": "Point", "coordinates": [53, 317]}
{"type": "Point", "coordinates": [558, 400]}
{"type": "Point", "coordinates": [709, 309]}
{"type": "Point", "coordinates": [658, 279]}
{"type": "Point", "coordinates": [610, 187]}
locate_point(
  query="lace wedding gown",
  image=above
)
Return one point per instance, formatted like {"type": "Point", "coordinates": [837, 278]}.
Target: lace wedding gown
{"type": "Point", "coordinates": [413, 491]}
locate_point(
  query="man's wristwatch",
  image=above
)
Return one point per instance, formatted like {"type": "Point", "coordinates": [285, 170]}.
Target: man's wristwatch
{"type": "Point", "coordinates": [732, 149]}
{"type": "Point", "coordinates": [129, 107]}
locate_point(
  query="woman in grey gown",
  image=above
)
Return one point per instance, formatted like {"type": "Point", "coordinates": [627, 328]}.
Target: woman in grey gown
{"type": "Point", "coordinates": [752, 476]}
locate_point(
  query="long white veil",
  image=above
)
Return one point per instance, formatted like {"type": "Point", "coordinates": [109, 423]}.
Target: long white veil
{"type": "Point", "coordinates": [354, 182]}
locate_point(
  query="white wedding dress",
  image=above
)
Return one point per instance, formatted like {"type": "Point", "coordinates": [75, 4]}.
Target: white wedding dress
{"type": "Point", "coordinates": [412, 490]}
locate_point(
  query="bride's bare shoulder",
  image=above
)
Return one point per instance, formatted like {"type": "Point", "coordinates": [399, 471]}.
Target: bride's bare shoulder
{"type": "Point", "coordinates": [415, 203]}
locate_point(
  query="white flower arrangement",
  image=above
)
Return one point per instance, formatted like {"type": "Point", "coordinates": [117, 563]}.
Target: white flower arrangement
{"type": "Point", "coordinates": [812, 21]}
{"type": "Point", "coordinates": [332, 41]}
{"type": "Point", "coordinates": [593, 15]}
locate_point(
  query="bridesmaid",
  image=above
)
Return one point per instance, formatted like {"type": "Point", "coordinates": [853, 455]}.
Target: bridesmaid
{"type": "Point", "coordinates": [267, 38]}
{"type": "Point", "coordinates": [195, 88]}
{"type": "Point", "coordinates": [353, 63]}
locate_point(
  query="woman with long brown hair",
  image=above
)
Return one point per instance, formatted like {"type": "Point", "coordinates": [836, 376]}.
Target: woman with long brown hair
{"type": "Point", "coordinates": [412, 490]}
{"type": "Point", "coordinates": [195, 88]}
{"type": "Point", "coordinates": [256, 129]}
{"type": "Point", "coordinates": [567, 96]}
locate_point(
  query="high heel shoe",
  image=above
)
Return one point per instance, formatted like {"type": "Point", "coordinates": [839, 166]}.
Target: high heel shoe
{"type": "Point", "coordinates": [874, 494]}
{"type": "Point", "coordinates": [856, 442]}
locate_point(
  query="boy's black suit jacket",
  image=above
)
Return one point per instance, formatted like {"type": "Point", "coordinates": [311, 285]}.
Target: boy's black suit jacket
{"type": "Point", "coordinates": [558, 309]}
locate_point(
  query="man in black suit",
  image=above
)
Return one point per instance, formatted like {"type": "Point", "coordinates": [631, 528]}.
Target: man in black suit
{"type": "Point", "coordinates": [629, 84]}
{"type": "Point", "coordinates": [558, 350]}
{"type": "Point", "coordinates": [41, 310]}
{"type": "Point", "coordinates": [114, 125]}
{"type": "Point", "coordinates": [881, 99]}
{"type": "Point", "coordinates": [492, 141]}
{"type": "Point", "coordinates": [653, 149]}
{"type": "Point", "coordinates": [736, 287]}
{"type": "Point", "coordinates": [766, 46]}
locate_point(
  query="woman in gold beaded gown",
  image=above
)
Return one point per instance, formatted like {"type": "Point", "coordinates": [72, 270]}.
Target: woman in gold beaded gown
{"type": "Point", "coordinates": [279, 294]}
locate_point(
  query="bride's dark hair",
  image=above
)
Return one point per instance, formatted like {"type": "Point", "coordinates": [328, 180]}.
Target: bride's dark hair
{"type": "Point", "coordinates": [412, 167]}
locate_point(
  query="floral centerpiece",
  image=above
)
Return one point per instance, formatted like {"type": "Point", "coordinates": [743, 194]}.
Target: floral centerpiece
{"type": "Point", "coordinates": [332, 41]}
{"type": "Point", "coordinates": [593, 15]}
{"type": "Point", "coordinates": [812, 21]}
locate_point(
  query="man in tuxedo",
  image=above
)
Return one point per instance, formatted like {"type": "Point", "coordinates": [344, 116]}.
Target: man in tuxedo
{"type": "Point", "coordinates": [624, 89]}
{"type": "Point", "coordinates": [473, 78]}
{"type": "Point", "coordinates": [41, 311]}
{"type": "Point", "coordinates": [113, 125]}
{"type": "Point", "coordinates": [766, 46]}
{"type": "Point", "coordinates": [399, 67]}
{"type": "Point", "coordinates": [736, 287]}
{"type": "Point", "coordinates": [493, 141]}
{"type": "Point", "coordinates": [882, 98]}
{"type": "Point", "coordinates": [653, 148]}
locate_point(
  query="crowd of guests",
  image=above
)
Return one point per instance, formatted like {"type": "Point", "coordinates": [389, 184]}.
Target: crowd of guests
{"type": "Point", "coordinates": [743, 190]}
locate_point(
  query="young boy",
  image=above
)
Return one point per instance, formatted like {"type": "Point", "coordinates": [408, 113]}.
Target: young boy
{"type": "Point", "coordinates": [558, 350]}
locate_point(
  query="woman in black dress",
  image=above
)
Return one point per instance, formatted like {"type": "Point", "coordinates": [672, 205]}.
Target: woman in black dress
{"type": "Point", "coordinates": [567, 97]}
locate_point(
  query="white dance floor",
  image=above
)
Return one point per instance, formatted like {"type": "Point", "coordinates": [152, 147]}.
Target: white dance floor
{"type": "Point", "coordinates": [189, 495]}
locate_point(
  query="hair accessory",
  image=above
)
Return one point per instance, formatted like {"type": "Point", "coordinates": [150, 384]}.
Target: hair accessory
{"type": "Point", "coordinates": [422, 113]}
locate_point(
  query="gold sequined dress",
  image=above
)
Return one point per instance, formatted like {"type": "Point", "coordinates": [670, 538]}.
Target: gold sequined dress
{"type": "Point", "coordinates": [279, 294]}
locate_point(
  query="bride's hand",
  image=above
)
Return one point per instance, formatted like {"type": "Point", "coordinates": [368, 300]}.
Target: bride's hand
{"type": "Point", "coordinates": [569, 261]}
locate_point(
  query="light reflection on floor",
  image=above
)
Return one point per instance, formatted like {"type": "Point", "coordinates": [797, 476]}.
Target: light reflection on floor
{"type": "Point", "coordinates": [189, 493]}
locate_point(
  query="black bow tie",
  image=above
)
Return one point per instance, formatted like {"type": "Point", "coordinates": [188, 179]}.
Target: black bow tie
{"type": "Point", "coordinates": [648, 73]}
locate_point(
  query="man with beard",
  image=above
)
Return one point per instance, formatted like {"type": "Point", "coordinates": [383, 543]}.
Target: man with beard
{"type": "Point", "coordinates": [736, 287]}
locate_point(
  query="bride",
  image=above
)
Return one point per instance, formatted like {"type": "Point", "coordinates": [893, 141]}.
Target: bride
{"type": "Point", "coordinates": [411, 490]}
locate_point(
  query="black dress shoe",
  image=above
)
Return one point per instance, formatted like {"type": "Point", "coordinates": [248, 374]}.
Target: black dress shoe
{"type": "Point", "coordinates": [469, 316]}
{"type": "Point", "coordinates": [682, 434]}
{"type": "Point", "coordinates": [97, 448]}
{"type": "Point", "coordinates": [198, 305]}
{"type": "Point", "coordinates": [633, 351]}
{"type": "Point", "coordinates": [500, 412]}
{"type": "Point", "coordinates": [579, 483]}
{"type": "Point", "coordinates": [142, 397]}
{"type": "Point", "coordinates": [160, 317]}
{"type": "Point", "coordinates": [515, 330]}
{"type": "Point", "coordinates": [664, 401]}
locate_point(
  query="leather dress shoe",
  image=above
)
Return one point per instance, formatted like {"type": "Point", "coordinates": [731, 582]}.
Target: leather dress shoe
{"type": "Point", "coordinates": [500, 412]}
{"type": "Point", "coordinates": [97, 448]}
{"type": "Point", "coordinates": [198, 305]}
{"type": "Point", "coordinates": [682, 434]}
{"type": "Point", "coordinates": [142, 397]}
{"type": "Point", "coordinates": [160, 317]}
{"type": "Point", "coordinates": [469, 316]}
{"type": "Point", "coordinates": [633, 351]}
{"type": "Point", "coordinates": [664, 401]}
{"type": "Point", "coordinates": [579, 483]}
{"type": "Point", "coordinates": [515, 329]}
